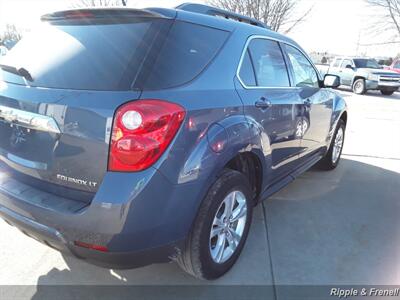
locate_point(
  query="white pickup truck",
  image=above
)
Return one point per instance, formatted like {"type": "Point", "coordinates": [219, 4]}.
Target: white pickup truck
{"type": "Point", "coordinates": [362, 74]}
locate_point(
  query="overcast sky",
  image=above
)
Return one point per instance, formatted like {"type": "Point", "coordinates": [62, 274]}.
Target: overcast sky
{"type": "Point", "coordinates": [335, 26]}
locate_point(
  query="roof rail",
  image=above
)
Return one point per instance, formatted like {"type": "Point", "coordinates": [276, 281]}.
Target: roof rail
{"type": "Point", "coordinates": [213, 11]}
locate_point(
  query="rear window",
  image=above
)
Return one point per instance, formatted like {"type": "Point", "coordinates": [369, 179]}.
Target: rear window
{"type": "Point", "coordinates": [94, 57]}
{"type": "Point", "coordinates": [145, 53]}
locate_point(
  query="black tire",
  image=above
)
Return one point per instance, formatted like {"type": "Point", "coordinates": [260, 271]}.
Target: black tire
{"type": "Point", "coordinates": [359, 87]}
{"type": "Point", "coordinates": [196, 258]}
{"type": "Point", "coordinates": [387, 93]}
{"type": "Point", "coordinates": [327, 162]}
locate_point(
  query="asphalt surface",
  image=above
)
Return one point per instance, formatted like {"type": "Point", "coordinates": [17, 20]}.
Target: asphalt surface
{"type": "Point", "coordinates": [325, 229]}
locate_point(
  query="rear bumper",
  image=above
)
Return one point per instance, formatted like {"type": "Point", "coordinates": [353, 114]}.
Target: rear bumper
{"type": "Point", "coordinates": [141, 218]}
{"type": "Point", "coordinates": [54, 239]}
{"type": "Point", "coordinates": [40, 232]}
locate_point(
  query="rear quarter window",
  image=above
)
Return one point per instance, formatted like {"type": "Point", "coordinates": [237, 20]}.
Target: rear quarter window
{"type": "Point", "coordinates": [186, 52]}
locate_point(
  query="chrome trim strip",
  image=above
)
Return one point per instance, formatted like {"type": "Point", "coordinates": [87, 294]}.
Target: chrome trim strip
{"type": "Point", "coordinates": [27, 163]}
{"type": "Point", "coordinates": [275, 40]}
{"type": "Point", "coordinates": [29, 120]}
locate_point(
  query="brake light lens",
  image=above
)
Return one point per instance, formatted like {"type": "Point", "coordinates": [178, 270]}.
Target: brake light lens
{"type": "Point", "coordinates": [142, 131]}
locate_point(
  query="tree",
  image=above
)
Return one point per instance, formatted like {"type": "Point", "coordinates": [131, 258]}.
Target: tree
{"type": "Point", "coordinates": [388, 15]}
{"type": "Point", "coordinates": [10, 36]}
{"type": "Point", "coordinates": [279, 15]}
{"type": "Point", "coordinates": [96, 3]}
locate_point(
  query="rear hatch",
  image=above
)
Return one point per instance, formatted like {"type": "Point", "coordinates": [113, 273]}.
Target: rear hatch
{"type": "Point", "coordinates": [61, 86]}
{"type": "Point", "coordinates": [59, 89]}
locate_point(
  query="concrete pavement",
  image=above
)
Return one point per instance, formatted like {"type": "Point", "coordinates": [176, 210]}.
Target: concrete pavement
{"type": "Point", "coordinates": [326, 228]}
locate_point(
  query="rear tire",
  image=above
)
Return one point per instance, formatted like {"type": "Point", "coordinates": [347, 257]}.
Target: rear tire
{"type": "Point", "coordinates": [201, 257]}
{"type": "Point", "coordinates": [359, 87]}
{"type": "Point", "coordinates": [387, 93]}
{"type": "Point", "coordinates": [332, 158]}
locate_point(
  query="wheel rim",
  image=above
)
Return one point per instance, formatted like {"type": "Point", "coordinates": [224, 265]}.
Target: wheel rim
{"type": "Point", "coordinates": [228, 227]}
{"type": "Point", "coordinates": [358, 87]}
{"type": "Point", "coordinates": [337, 146]}
{"type": "Point", "coordinates": [299, 129]}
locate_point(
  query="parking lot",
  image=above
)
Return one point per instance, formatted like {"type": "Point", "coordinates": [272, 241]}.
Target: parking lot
{"type": "Point", "coordinates": [326, 228]}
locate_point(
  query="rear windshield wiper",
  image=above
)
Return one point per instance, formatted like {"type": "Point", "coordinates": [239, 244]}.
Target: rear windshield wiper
{"type": "Point", "coordinates": [21, 71]}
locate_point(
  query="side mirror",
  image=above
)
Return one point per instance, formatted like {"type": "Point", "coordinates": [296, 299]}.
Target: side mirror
{"type": "Point", "coordinates": [331, 81]}
{"type": "Point", "coordinates": [349, 67]}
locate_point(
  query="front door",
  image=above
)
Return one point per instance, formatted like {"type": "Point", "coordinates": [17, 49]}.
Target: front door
{"type": "Point", "coordinates": [264, 87]}
{"type": "Point", "coordinates": [346, 73]}
{"type": "Point", "coordinates": [318, 102]}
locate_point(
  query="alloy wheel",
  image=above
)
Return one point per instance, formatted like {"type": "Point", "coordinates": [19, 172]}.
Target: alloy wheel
{"type": "Point", "coordinates": [338, 144]}
{"type": "Point", "coordinates": [228, 227]}
{"type": "Point", "coordinates": [358, 87]}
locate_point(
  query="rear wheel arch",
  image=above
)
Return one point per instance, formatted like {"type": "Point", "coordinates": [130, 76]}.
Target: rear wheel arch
{"type": "Point", "coordinates": [249, 164]}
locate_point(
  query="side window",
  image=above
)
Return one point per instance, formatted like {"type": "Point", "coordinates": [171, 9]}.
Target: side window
{"type": "Point", "coordinates": [397, 65]}
{"type": "Point", "coordinates": [246, 73]}
{"type": "Point", "coordinates": [269, 65]}
{"type": "Point", "coordinates": [337, 63]}
{"type": "Point", "coordinates": [346, 62]}
{"type": "Point", "coordinates": [303, 72]}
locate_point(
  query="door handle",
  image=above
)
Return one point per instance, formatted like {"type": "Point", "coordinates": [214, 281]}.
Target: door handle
{"type": "Point", "coordinates": [263, 103]}
{"type": "Point", "coordinates": [307, 102]}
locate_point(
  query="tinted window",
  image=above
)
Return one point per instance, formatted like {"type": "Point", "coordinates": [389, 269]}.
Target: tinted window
{"type": "Point", "coordinates": [346, 62]}
{"type": "Point", "coordinates": [367, 63]}
{"type": "Point", "coordinates": [80, 57]}
{"type": "Point", "coordinates": [188, 49]}
{"type": "Point", "coordinates": [269, 65]}
{"type": "Point", "coordinates": [154, 53]}
{"type": "Point", "coordinates": [247, 71]}
{"type": "Point", "coordinates": [303, 72]}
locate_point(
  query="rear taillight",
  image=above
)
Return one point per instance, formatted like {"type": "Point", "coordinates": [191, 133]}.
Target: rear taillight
{"type": "Point", "coordinates": [142, 130]}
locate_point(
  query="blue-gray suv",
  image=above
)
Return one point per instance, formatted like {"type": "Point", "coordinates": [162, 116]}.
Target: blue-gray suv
{"type": "Point", "coordinates": [130, 137]}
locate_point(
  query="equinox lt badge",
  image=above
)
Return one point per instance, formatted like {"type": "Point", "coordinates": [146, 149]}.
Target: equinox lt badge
{"type": "Point", "coordinates": [77, 181]}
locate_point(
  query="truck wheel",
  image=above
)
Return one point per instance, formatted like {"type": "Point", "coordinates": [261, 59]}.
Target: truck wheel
{"type": "Point", "coordinates": [359, 87]}
{"type": "Point", "coordinates": [220, 229]}
{"type": "Point", "coordinates": [331, 159]}
{"type": "Point", "coordinates": [387, 93]}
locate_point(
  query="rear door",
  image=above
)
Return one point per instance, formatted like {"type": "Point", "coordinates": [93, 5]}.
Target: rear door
{"type": "Point", "coordinates": [317, 102]}
{"type": "Point", "coordinates": [271, 102]}
{"type": "Point", "coordinates": [55, 127]}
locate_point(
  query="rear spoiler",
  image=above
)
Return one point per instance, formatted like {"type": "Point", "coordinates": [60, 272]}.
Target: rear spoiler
{"type": "Point", "coordinates": [105, 13]}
